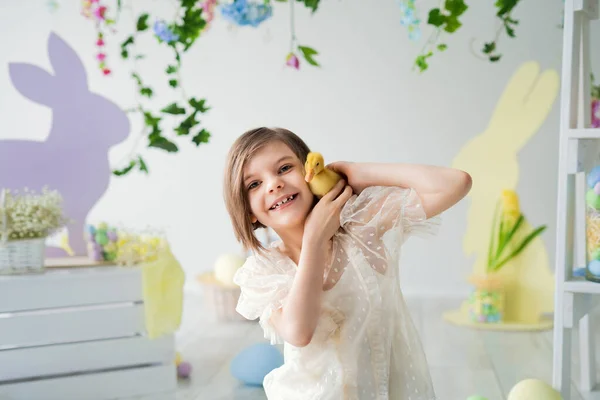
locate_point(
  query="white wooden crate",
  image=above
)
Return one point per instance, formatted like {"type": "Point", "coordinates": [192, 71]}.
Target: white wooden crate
{"type": "Point", "coordinates": [79, 333]}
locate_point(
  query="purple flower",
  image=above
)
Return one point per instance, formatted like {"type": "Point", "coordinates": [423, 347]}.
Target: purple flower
{"type": "Point", "coordinates": [164, 33]}
{"type": "Point", "coordinates": [596, 113]}
{"type": "Point", "coordinates": [241, 12]}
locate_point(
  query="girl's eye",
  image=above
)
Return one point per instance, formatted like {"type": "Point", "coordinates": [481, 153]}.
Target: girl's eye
{"type": "Point", "coordinates": [285, 168]}
{"type": "Point", "coordinates": [252, 185]}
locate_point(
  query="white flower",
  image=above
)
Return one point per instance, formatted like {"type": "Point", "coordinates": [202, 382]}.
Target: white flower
{"type": "Point", "coordinates": [29, 215]}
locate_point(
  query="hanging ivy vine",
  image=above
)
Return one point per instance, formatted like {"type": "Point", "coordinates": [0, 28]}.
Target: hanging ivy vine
{"type": "Point", "coordinates": [193, 18]}
{"type": "Point", "coordinates": [446, 19]}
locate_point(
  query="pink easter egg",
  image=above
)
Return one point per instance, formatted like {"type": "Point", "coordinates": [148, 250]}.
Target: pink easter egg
{"type": "Point", "coordinates": [184, 369]}
{"type": "Point", "coordinates": [597, 188]}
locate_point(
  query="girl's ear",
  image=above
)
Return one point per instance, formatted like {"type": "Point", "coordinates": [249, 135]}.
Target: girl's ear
{"type": "Point", "coordinates": [253, 219]}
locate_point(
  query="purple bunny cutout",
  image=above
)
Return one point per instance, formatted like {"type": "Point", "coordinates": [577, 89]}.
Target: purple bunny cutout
{"type": "Point", "coordinates": [74, 158]}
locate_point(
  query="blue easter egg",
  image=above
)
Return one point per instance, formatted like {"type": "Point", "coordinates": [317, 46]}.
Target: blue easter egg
{"type": "Point", "coordinates": [253, 363]}
{"type": "Point", "coordinates": [594, 267]}
{"type": "Point", "coordinates": [593, 177]}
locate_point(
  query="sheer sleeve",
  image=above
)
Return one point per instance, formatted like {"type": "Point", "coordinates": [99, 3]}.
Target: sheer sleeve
{"type": "Point", "coordinates": [264, 287]}
{"type": "Point", "coordinates": [381, 219]}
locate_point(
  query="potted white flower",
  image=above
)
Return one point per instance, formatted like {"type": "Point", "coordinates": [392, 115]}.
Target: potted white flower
{"type": "Point", "coordinates": [27, 218]}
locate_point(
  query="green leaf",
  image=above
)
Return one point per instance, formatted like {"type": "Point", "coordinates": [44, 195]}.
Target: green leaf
{"type": "Point", "coordinates": [506, 238]}
{"type": "Point", "coordinates": [187, 124]}
{"type": "Point", "coordinates": [146, 91]}
{"type": "Point", "coordinates": [520, 248]}
{"type": "Point", "coordinates": [495, 58]}
{"type": "Point", "coordinates": [140, 57]}
{"type": "Point", "coordinates": [442, 47]}
{"type": "Point", "coordinates": [488, 48]}
{"type": "Point", "coordinates": [510, 31]}
{"type": "Point", "coordinates": [124, 171]}
{"type": "Point", "coordinates": [452, 24]}
{"type": "Point", "coordinates": [171, 69]}
{"type": "Point", "coordinates": [173, 83]}
{"type": "Point", "coordinates": [142, 164]}
{"type": "Point", "coordinates": [493, 236]}
{"type": "Point", "coordinates": [173, 109]}
{"type": "Point", "coordinates": [456, 7]}
{"type": "Point", "coordinates": [436, 18]}
{"type": "Point", "coordinates": [151, 120]}
{"type": "Point", "coordinates": [201, 137]}
{"type": "Point", "coordinates": [421, 61]}
{"type": "Point", "coordinates": [142, 22]}
{"type": "Point", "coordinates": [124, 54]}
{"type": "Point", "coordinates": [312, 4]}
{"type": "Point", "coordinates": [308, 54]}
{"type": "Point", "coordinates": [119, 5]}
{"type": "Point", "coordinates": [161, 142]}
{"type": "Point", "coordinates": [127, 42]}
{"type": "Point", "coordinates": [137, 78]}
{"type": "Point", "coordinates": [199, 105]}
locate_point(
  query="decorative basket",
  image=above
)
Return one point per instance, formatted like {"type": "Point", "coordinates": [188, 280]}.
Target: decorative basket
{"type": "Point", "coordinates": [22, 256]}
{"type": "Point", "coordinates": [19, 256]}
{"type": "Point", "coordinates": [220, 299]}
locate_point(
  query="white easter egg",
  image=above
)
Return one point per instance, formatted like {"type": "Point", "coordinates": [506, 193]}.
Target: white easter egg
{"type": "Point", "coordinates": [226, 266]}
{"type": "Point", "coordinates": [530, 389]}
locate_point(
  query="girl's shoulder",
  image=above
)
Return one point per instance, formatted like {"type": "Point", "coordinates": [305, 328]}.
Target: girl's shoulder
{"type": "Point", "coordinates": [262, 264]}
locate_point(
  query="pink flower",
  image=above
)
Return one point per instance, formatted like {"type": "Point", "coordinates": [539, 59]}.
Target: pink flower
{"type": "Point", "coordinates": [100, 42]}
{"type": "Point", "coordinates": [101, 56]}
{"type": "Point", "coordinates": [99, 12]}
{"type": "Point", "coordinates": [106, 71]}
{"type": "Point", "coordinates": [293, 61]}
{"type": "Point", "coordinates": [595, 113]}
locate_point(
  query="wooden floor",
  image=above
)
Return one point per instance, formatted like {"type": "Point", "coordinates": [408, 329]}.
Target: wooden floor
{"type": "Point", "coordinates": [463, 362]}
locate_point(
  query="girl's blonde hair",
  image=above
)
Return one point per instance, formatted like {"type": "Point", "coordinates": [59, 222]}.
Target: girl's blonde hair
{"type": "Point", "coordinates": [234, 190]}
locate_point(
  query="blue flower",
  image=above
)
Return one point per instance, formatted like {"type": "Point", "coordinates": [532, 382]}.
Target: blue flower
{"type": "Point", "coordinates": [241, 12]}
{"type": "Point", "coordinates": [164, 33]}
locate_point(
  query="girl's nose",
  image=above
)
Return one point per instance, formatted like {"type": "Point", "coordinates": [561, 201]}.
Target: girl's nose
{"type": "Point", "coordinates": [275, 185]}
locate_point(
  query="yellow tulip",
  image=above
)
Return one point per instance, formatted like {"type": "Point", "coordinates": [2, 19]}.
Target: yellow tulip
{"type": "Point", "coordinates": [510, 207]}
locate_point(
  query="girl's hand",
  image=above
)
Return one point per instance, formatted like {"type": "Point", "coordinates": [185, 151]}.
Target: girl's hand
{"type": "Point", "coordinates": [351, 172]}
{"type": "Point", "coordinates": [324, 220]}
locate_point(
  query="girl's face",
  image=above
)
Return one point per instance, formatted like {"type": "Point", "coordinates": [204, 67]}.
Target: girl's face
{"type": "Point", "coordinates": [278, 194]}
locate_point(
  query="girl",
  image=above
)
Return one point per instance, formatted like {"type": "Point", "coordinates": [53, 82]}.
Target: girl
{"type": "Point", "coordinates": [329, 288]}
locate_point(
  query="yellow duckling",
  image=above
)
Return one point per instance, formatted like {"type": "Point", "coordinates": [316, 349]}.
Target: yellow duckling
{"type": "Point", "coordinates": [320, 179]}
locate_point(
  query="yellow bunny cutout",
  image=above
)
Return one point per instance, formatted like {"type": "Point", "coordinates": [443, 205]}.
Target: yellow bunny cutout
{"type": "Point", "coordinates": [491, 159]}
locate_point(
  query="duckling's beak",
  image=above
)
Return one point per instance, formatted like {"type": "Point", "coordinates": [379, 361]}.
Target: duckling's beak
{"type": "Point", "coordinates": [310, 173]}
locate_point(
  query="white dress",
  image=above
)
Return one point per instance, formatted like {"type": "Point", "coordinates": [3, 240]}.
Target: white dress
{"type": "Point", "coordinates": [365, 345]}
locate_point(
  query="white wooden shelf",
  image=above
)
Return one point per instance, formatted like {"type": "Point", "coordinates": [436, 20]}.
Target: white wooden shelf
{"type": "Point", "coordinates": [583, 133]}
{"type": "Point", "coordinates": [577, 155]}
{"type": "Point", "coordinates": [581, 285]}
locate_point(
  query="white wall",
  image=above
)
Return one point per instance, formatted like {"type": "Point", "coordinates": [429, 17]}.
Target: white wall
{"type": "Point", "coordinates": [365, 103]}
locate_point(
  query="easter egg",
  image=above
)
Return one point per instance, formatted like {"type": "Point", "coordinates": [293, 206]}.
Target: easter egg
{"type": "Point", "coordinates": [593, 177]}
{"type": "Point", "coordinates": [177, 358]}
{"type": "Point", "coordinates": [102, 226]}
{"type": "Point", "coordinates": [184, 369]}
{"type": "Point", "coordinates": [252, 364]}
{"type": "Point", "coordinates": [592, 199]}
{"type": "Point", "coordinates": [226, 266]}
{"type": "Point", "coordinates": [529, 389]}
{"type": "Point", "coordinates": [101, 238]}
{"type": "Point", "coordinates": [596, 254]}
{"type": "Point", "coordinates": [594, 267]}
{"type": "Point", "coordinates": [597, 188]}
{"type": "Point", "coordinates": [112, 236]}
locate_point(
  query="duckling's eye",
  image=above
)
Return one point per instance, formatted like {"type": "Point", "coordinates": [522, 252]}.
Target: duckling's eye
{"type": "Point", "coordinates": [317, 163]}
{"type": "Point", "coordinates": [285, 168]}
